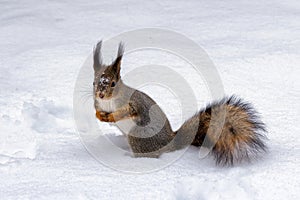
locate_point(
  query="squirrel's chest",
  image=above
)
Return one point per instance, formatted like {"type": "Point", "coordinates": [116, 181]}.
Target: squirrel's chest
{"type": "Point", "coordinates": [107, 105]}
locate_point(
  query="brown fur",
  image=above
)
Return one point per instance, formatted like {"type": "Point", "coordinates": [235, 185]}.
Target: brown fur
{"type": "Point", "coordinates": [232, 129]}
{"type": "Point", "coordinates": [120, 114]}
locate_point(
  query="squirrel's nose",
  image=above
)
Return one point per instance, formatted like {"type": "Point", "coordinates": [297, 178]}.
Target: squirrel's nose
{"type": "Point", "coordinates": [101, 95]}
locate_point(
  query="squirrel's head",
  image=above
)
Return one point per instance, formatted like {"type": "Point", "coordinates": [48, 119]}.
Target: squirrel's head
{"type": "Point", "coordinates": [106, 76]}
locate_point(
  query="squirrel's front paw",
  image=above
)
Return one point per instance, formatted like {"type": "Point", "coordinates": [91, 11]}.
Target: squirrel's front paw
{"type": "Point", "coordinates": [105, 116]}
{"type": "Point", "coordinates": [100, 115]}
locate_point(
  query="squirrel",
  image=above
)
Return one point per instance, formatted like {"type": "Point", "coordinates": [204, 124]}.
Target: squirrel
{"type": "Point", "coordinates": [230, 127]}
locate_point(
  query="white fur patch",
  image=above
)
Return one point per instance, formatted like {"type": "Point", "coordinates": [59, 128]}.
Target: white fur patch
{"type": "Point", "coordinates": [106, 105]}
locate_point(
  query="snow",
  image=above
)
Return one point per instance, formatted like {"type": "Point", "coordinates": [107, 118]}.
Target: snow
{"type": "Point", "coordinates": [253, 44]}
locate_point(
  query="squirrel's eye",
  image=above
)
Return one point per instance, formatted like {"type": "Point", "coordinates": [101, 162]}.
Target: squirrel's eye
{"type": "Point", "coordinates": [93, 83]}
{"type": "Point", "coordinates": [113, 84]}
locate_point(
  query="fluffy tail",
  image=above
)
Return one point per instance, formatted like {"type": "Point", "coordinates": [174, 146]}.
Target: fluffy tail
{"type": "Point", "coordinates": [231, 128]}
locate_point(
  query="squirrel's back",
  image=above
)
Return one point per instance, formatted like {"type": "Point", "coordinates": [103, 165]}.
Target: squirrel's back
{"type": "Point", "coordinates": [152, 135]}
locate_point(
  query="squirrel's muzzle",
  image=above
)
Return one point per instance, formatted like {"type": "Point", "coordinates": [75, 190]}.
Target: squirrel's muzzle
{"type": "Point", "coordinates": [101, 95]}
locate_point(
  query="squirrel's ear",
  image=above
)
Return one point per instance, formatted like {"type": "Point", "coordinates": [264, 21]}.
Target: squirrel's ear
{"type": "Point", "coordinates": [117, 63]}
{"type": "Point", "coordinates": [97, 56]}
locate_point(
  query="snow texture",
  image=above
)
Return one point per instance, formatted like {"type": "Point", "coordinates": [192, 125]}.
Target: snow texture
{"type": "Point", "coordinates": [254, 45]}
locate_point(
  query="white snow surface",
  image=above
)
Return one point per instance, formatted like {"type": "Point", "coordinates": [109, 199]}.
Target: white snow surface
{"type": "Point", "coordinates": [255, 46]}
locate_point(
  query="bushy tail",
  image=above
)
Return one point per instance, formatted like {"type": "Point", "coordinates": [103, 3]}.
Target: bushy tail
{"type": "Point", "coordinates": [230, 127]}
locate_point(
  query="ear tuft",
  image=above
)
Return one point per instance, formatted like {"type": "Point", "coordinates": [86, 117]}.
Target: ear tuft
{"type": "Point", "coordinates": [121, 49]}
{"type": "Point", "coordinates": [97, 56]}
{"type": "Point", "coordinates": [117, 63]}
